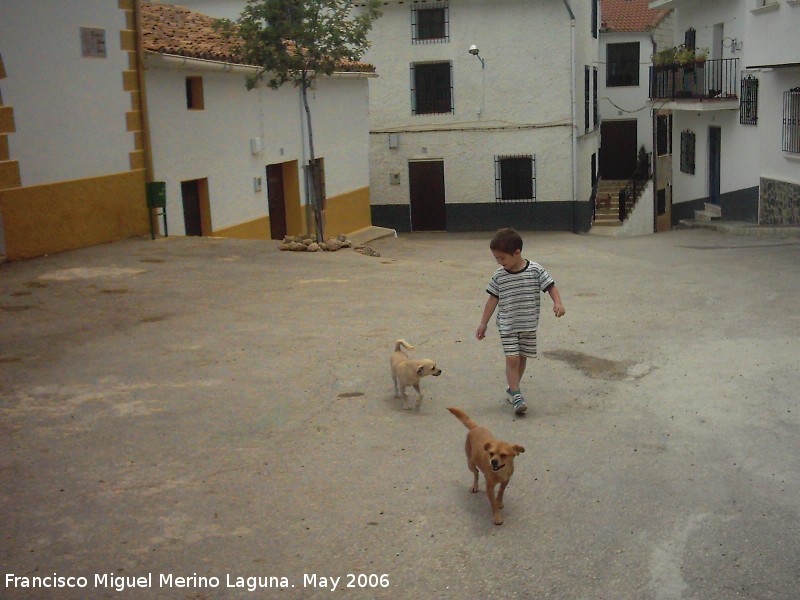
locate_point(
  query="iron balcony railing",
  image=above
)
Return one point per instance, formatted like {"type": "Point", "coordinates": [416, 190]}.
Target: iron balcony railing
{"type": "Point", "coordinates": [706, 80]}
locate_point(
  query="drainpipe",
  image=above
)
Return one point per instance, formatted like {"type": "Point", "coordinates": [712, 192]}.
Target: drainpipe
{"type": "Point", "coordinates": [573, 100]}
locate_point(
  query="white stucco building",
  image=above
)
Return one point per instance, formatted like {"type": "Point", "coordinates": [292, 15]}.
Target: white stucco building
{"type": "Point", "coordinates": [72, 165]}
{"type": "Point", "coordinates": [232, 159]}
{"type": "Point", "coordinates": [505, 135]}
{"type": "Point", "coordinates": [736, 118]}
{"type": "Point", "coordinates": [630, 33]}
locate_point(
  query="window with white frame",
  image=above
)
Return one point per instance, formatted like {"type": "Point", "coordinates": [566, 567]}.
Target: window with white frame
{"type": "Point", "coordinates": [430, 22]}
{"type": "Point", "coordinates": [515, 178]}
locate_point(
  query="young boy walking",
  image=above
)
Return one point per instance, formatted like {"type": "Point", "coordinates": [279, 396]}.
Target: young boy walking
{"type": "Point", "coordinates": [514, 290]}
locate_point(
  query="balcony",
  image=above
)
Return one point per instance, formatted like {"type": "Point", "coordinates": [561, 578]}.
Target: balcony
{"type": "Point", "coordinates": [703, 85]}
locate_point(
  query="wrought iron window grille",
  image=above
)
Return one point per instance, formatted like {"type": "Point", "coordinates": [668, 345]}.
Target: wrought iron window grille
{"type": "Point", "coordinates": [689, 38]}
{"type": "Point", "coordinates": [595, 104]}
{"type": "Point", "coordinates": [515, 178]}
{"type": "Point", "coordinates": [622, 64]}
{"type": "Point", "coordinates": [687, 151]}
{"type": "Point", "coordinates": [431, 88]}
{"type": "Point", "coordinates": [791, 121]}
{"type": "Point", "coordinates": [748, 102]}
{"type": "Point", "coordinates": [586, 98]}
{"type": "Point", "coordinates": [430, 22]}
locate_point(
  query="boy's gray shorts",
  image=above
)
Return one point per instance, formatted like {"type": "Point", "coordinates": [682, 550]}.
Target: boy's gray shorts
{"type": "Point", "coordinates": [522, 343]}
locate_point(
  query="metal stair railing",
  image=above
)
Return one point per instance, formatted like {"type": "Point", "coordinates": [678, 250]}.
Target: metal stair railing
{"type": "Point", "coordinates": [630, 193]}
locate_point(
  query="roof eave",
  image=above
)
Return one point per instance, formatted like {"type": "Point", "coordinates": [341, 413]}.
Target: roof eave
{"type": "Point", "coordinates": [165, 60]}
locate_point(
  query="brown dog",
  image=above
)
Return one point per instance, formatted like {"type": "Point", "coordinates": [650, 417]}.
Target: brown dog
{"type": "Point", "coordinates": [407, 372]}
{"type": "Point", "coordinates": [494, 458]}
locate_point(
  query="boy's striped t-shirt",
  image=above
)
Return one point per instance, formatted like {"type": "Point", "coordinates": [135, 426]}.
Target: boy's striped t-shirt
{"type": "Point", "coordinates": [518, 297]}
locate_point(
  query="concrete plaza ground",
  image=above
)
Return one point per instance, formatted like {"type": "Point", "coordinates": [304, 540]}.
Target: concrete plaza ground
{"type": "Point", "coordinates": [221, 411]}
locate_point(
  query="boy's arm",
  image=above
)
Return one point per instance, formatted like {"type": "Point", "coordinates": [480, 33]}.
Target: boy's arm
{"type": "Point", "coordinates": [491, 304]}
{"type": "Point", "coordinates": [558, 308]}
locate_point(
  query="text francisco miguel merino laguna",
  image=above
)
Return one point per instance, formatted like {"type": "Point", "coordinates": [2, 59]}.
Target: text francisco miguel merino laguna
{"type": "Point", "coordinates": [194, 581]}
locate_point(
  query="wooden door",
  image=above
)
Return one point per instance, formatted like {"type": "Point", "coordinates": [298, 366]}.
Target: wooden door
{"type": "Point", "coordinates": [276, 202]}
{"type": "Point", "coordinates": [618, 150]}
{"type": "Point", "coordinates": [714, 163]}
{"type": "Point", "coordinates": [427, 195]}
{"type": "Point", "coordinates": [190, 193]}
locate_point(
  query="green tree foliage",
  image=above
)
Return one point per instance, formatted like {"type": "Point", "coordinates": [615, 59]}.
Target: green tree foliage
{"type": "Point", "coordinates": [297, 41]}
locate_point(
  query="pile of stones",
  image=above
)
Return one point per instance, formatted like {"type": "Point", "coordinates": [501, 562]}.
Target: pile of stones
{"type": "Point", "coordinates": [307, 243]}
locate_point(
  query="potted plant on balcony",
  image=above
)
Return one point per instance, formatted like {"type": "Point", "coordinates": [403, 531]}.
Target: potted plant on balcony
{"type": "Point", "coordinates": [700, 55]}
{"type": "Point", "coordinates": [665, 57]}
{"type": "Point", "coordinates": [684, 56]}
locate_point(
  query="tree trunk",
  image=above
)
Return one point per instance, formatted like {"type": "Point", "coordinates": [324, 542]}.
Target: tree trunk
{"type": "Point", "coordinates": [316, 184]}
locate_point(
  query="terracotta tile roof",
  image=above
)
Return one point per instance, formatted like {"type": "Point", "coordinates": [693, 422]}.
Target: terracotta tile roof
{"type": "Point", "coordinates": [176, 30]}
{"type": "Point", "coordinates": [170, 29]}
{"type": "Point", "coordinates": [629, 15]}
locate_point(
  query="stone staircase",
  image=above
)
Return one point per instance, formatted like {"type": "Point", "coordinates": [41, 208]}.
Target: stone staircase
{"type": "Point", "coordinates": [607, 206]}
{"type": "Point", "coordinates": [711, 212]}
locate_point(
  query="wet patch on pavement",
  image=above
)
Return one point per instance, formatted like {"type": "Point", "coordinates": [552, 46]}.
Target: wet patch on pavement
{"type": "Point", "coordinates": [90, 273]}
{"type": "Point", "coordinates": [156, 318]}
{"type": "Point", "coordinates": [17, 307]}
{"type": "Point", "coordinates": [601, 368]}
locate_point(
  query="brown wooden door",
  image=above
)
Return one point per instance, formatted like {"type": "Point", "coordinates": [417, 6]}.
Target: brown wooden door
{"type": "Point", "coordinates": [618, 149]}
{"type": "Point", "coordinates": [275, 199]}
{"type": "Point", "coordinates": [427, 198]}
{"type": "Point", "coordinates": [190, 193]}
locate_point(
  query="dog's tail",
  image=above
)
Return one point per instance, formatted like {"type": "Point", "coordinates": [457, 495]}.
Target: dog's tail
{"type": "Point", "coordinates": [402, 343]}
{"type": "Point", "coordinates": [462, 416]}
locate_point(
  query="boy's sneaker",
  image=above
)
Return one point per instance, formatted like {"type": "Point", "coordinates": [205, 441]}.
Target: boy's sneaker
{"type": "Point", "coordinates": [519, 404]}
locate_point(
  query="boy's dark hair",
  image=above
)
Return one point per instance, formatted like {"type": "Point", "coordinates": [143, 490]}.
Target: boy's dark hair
{"type": "Point", "coordinates": [506, 240]}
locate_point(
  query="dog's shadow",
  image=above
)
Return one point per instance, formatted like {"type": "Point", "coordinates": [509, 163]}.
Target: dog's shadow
{"type": "Point", "coordinates": [398, 404]}
{"type": "Point", "coordinates": [474, 508]}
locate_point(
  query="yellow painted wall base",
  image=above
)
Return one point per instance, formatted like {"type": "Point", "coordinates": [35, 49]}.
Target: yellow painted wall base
{"type": "Point", "coordinates": [9, 174]}
{"type": "Point", "coordinates": [253, 230]}
{"type": "Point", "coordinates": [346, 213]}
{"type": "Point", "coordinates": [43, 219]}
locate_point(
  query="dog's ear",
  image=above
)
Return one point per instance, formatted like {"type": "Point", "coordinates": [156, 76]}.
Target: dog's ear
{"type": "Point", "coordinates": [519, 448]}
{"type": "Point", "coordinates": [487, 445]}
{"type": "Point", "coordinates": [420, 370]}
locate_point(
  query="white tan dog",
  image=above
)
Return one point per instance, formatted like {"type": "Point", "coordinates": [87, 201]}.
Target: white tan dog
{"type": "Point", "coordinates": [407, 372]}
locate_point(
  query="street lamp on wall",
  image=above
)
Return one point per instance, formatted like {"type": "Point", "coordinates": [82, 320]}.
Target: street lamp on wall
{"type": "Point", "coordinates": [473, 49]}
